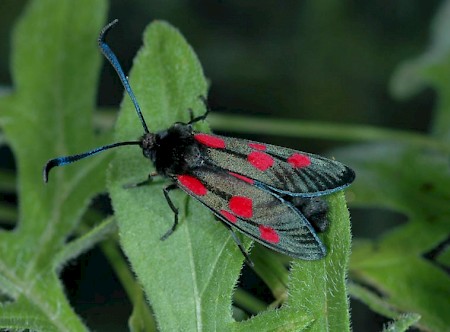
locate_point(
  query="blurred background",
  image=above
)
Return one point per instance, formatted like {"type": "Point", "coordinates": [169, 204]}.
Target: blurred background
{"type": "Point", "coordinates": [306, 60]}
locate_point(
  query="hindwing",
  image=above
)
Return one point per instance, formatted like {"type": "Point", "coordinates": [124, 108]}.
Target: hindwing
{"type": "Point", "coordinates": [254, 210]}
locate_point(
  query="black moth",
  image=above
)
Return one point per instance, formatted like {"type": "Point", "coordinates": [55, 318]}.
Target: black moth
{"type": "Point", "coordinates": [269, 193]}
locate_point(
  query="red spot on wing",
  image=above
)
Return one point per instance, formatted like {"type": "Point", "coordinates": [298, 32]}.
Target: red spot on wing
{"type": "Point", "coordinates": [228, 216]}
{"type": "Point", "coordinates": [241, 177]}
{"type": "Point", "coordinates": [257, 146]}
{"type": "Point", "coordinates": [269, 234]}
{"type": "Point", "coordinates": [210, 141]}
{"type": "Point", "coordinates": [260, 160]}
{"type": "Point", "coordinates": [298, 160]}
{"type": "Point", "coordinates": [241, 206]}
{"type": "Point", "coordinates": [193, 184]}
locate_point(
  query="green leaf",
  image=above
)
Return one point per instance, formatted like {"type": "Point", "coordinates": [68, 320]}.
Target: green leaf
{"type": "Point", "coordinates": [54, 65]}
{"type": "Point", "coordinates": [284, 320]}
{"type": "Point", "coordinates": [317, 290]}
{"type": "Point", "coordinates": [319, 287]}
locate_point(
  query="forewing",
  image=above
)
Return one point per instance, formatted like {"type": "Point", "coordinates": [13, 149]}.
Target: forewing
{"type": "Point", "coordinates": [280, 169]}
{"type": "Point", "coordinates": [258, 213]}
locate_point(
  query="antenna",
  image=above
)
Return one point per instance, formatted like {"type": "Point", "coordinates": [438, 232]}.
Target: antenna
{"type": "Point", "coordinates": [109, 54]}
{"type": "Point", "coordinates": [61, 161]}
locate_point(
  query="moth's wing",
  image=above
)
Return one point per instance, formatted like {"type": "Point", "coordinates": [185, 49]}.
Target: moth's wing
{"type": "Point", "coordinates": [283, 170]}
{"type": "Point", "coordinates": [255, 211]}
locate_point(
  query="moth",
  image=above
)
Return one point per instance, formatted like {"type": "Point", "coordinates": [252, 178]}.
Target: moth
{"type": "Point", "coordinates": [270, 193]}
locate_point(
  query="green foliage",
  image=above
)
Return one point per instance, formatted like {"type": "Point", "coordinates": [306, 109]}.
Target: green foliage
{"type": "Point", "coordinates": [414, 180]}
{"type": "Point", "coordinates": [189, 280]}
{"type": "Point", "coordinates": [55, 75]}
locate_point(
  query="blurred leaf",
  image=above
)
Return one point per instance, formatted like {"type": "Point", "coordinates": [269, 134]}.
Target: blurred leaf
{"type": "Point", "coordinates": [2, 139]}
{"type": "Point", "coordinates": [372, 300]}
{"type": "Point", "coordinates": [320, 130]}
{"type": "Point", "coordinates": [247, 301]}
{"type": "Point", "coordinates": [394, 266]}
{"type": "Point", "coordinates": [7, 181]}
{"type": "Point", "coordinates": [411, 180]}
{"type": "Point", "coordinates": [402, 323]}
{"type": "Point", "coordinates": [8, 213]}
{"type": "Point", "coordinates": [415, 180]}
{"type": "Point", "coordinates": [54, 68]}
{"type": "Point", "coordinates": [432, 68]}
{"type": "Point", "coordinates": [85, 242]}
{"type": "Point", "coordinates": [270, 268]}
{"type": "Point", "coordinates": [141, 318]}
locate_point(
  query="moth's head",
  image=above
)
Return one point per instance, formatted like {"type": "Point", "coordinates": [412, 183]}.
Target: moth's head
{"type": "Point", "coordinates": [148, 145]}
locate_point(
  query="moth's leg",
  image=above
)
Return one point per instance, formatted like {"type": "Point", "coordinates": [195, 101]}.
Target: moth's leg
{"type": "Point", "coordinates": [142, 183]}
{"type": "Point", "coordinates": [433, 254]}
{"type": "Point", "coordinates": [240, 245]}
{"type": "Point", "coordinates": [201, 117]}
{"type": "Point", "coordinates": [191, 115]}
{"type": "Point", "coordinates": [173, 208]}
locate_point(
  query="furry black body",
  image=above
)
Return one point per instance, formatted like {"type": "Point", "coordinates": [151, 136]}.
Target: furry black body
{"type": "Point", "coordinates": [173, 151]}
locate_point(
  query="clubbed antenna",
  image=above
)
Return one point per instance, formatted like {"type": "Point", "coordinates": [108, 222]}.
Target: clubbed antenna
{"type": "Point", "coordinates": [61, 161]}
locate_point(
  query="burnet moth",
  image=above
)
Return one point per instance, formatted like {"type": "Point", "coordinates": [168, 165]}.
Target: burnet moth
{"type": "Point", "coordinates": [269, 193]}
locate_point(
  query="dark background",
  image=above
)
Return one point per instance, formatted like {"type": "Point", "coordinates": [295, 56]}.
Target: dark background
{"type": "Point", "coordinates": [314, 60]}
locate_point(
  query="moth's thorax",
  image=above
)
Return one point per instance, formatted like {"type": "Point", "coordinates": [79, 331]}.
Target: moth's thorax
{"type": "Point", "coordinates": [173, 151]}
